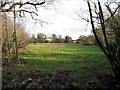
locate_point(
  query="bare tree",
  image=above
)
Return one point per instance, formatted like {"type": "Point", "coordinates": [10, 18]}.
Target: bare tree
{"type": "Point", "coordinates": [8, 47]}
{"type": "Point", "coordinates": [6, 44]}
{"type": "Point", "coordinates": [19, 7]}
{"type": "Point", "coordinates": [112, 51]}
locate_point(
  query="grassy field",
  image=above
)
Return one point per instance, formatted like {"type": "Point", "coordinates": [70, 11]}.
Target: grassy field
{"type": "Point", "coordinates": [85, 61]}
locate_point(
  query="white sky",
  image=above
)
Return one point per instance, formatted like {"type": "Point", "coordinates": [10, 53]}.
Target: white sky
{"type": "Point", "coordinates": [61, 18]}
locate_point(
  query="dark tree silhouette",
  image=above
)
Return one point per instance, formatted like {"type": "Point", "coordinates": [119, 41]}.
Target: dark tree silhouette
{"type": "Point", "coordinates": [111, 50]}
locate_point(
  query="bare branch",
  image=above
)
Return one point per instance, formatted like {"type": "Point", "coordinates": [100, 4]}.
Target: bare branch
{"type": "Point", "coordinates": [20, 4]}
{"type": "Point", "coordinates": [27, 11]}
{"type": "Point", "coordinates": [93, 28]}
{"type": "Point", "coordinates": [86, 19]}
{"type": "Point", "coordinates": [110, 11]}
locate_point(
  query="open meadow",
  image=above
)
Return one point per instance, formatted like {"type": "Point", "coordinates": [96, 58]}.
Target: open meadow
{"type": "Point", "coordinates": [84, 63]}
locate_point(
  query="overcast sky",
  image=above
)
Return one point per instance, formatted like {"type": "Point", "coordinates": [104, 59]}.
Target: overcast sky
{"type": "Point", "coordinates": [62, 19]}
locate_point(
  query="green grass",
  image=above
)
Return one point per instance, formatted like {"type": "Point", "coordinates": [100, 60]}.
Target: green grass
{"type": "Point", "coordinates": [85, 61]}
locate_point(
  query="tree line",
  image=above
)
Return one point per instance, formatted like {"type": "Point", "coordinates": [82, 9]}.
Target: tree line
{"type": "Point", "coordinates": [42, 38]}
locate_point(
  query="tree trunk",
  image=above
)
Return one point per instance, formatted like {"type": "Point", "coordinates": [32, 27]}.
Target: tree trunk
{"type": "Point", "coordinates": [111, 55]}
{"type": "Point", "coordinates": [15, 39]}
{"type": "Point", "coordinates": [7, 41]}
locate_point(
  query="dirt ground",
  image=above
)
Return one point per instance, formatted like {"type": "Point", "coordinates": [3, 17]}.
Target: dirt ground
{"type": "Point", "coordinates": [60, 79]}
